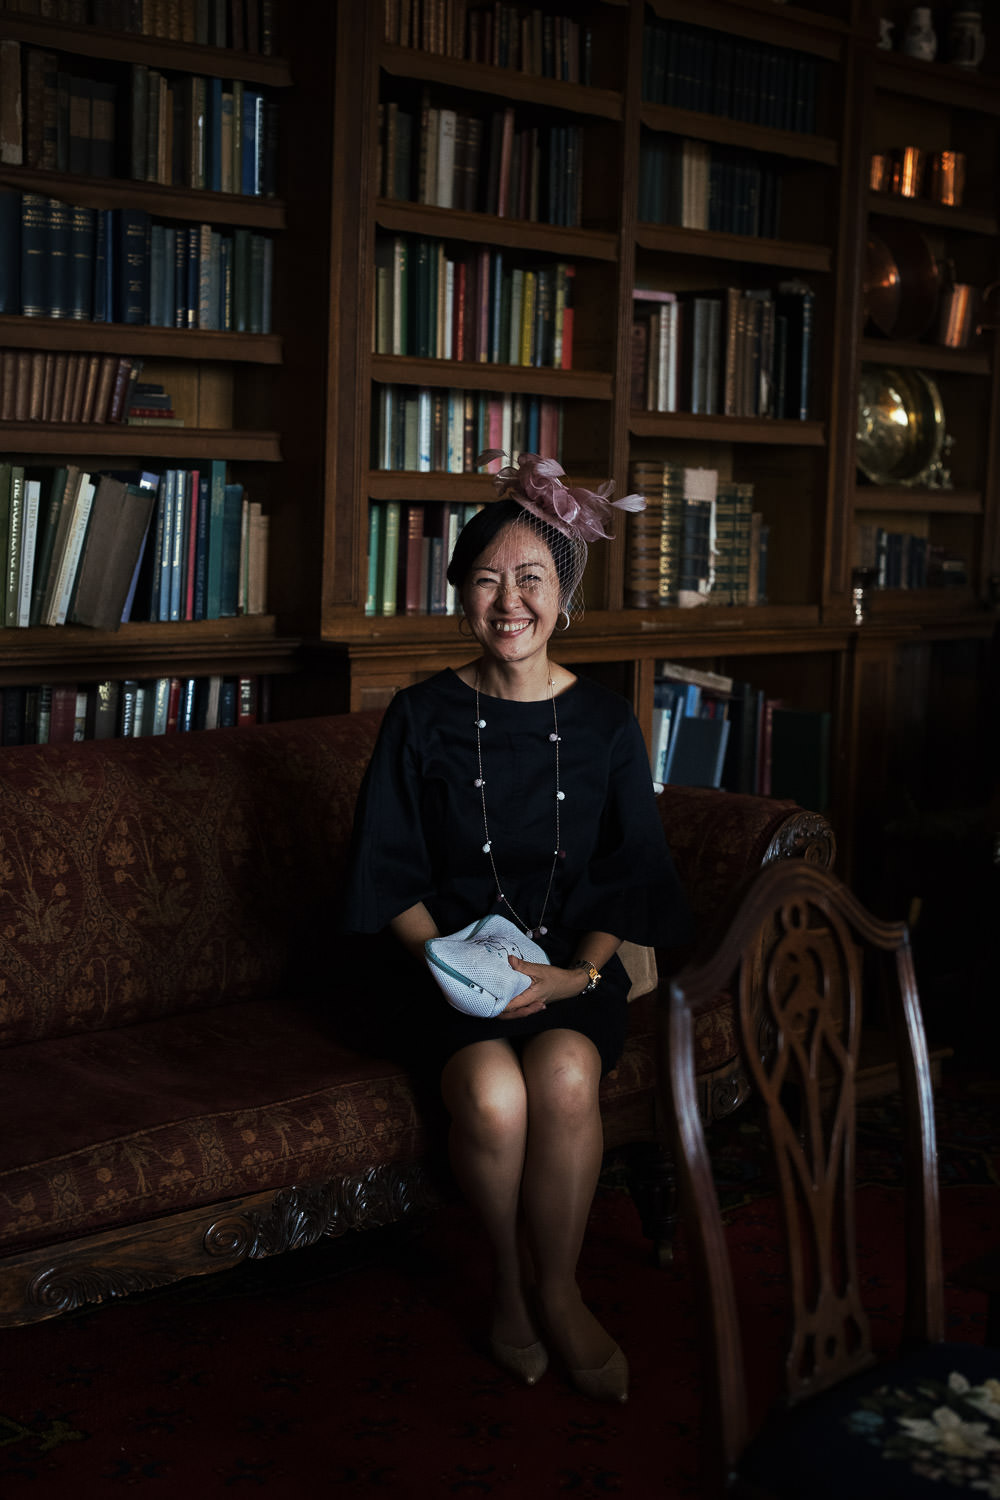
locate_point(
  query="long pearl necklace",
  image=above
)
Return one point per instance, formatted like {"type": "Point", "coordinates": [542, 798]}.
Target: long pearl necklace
{"type": "Point", "coordinates": [539, 929]}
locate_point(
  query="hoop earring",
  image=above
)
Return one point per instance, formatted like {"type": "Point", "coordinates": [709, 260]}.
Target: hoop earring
{"type": "Point", "coordinates": [567, 625]}
{"type": "Point", "coordinates": [463, 620]}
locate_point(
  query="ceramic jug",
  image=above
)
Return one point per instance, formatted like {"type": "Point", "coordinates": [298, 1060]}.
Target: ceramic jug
{"type": "Point", "coordinates": [965, 37]}
{"type": "Point", "coordinates": [920, 38]}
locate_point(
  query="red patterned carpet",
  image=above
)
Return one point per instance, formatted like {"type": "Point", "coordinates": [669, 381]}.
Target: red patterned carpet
{"type": "Point", "coordinates": [351, 1369]}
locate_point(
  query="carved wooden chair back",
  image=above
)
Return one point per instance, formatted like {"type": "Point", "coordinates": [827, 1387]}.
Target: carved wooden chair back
{"type": "Point", "coordinates": [804, 937]}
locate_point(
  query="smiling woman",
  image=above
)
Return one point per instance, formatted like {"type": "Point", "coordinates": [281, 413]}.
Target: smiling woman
{"type": "Point", "coordinates": [511, 786]}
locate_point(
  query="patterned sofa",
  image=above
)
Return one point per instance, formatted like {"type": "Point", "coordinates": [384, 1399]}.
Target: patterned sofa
{"type": "Point", "coordinates": [173, 1094]}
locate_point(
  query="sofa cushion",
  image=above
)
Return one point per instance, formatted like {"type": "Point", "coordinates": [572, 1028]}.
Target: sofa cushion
{"type": "Point", "coordinates": [116, 1127]}
{"type": "Point", "coordinates": [146, 877]}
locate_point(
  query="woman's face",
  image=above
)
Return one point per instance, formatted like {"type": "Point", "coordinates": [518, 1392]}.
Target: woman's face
{"type": "Point", "coordinates": [511, 595]}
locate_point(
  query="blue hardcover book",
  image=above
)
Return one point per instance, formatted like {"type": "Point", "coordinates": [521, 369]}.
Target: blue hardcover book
{"type": "Point", "coordinates": [131, 245]}
{"type": "Point", "coordinates": [201, 549]}
{"type": "Point", "coordinates": [185, 715]}
{"type": "Point", "coordinates": [232, 527]}
{"type": "Point", "coordinates": [180, 278]}
{"type": "Point", "coordinates": [216, 534]}
{"type": "Point", "coordinates": [248, 182]}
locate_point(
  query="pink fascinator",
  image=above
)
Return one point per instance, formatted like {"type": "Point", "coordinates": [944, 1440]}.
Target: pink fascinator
{"type": "Point", "coordinates": [535, 484]}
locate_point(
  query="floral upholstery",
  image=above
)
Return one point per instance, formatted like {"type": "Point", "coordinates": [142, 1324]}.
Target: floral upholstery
{"type": "Point", "coordinates": [928, 1426]}
{"type": "Point", "coordinates": [166, 990]}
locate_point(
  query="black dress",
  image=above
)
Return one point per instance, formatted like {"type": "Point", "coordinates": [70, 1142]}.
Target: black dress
{"type": "Point", "coordinates": [419, 837]}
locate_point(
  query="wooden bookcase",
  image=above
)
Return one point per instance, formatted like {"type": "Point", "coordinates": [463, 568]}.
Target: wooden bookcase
{"type": "Point", "coordinates": [305, 402]}
{"type": "Point", "coordinates": [225, 384]}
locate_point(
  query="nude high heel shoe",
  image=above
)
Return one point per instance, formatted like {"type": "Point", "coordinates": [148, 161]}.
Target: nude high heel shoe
{"type": "Point", "coordinates": [608, 1383]}
{"type": "Point", "coordinates": [528, 1364]}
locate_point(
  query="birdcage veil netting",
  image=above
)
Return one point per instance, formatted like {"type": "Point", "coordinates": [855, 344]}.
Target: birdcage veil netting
{"type": "Point", "coordinates": [533, 504]}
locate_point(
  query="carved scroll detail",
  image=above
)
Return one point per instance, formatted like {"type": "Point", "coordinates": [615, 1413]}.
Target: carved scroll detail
{"type": "Point", "coordinates": [299, 1216]}
{"type": "Point", "coordinates": [65, 1288]}
{"type": "Point", "coordinates": [804, 835]}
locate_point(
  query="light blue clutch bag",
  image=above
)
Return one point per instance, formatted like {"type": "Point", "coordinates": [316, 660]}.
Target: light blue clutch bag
{"type": "Point", "coordinates": [472, 969]}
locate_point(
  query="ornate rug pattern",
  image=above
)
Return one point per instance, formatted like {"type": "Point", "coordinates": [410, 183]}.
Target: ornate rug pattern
{"type": "Point", "coordinates": [352, 1369]}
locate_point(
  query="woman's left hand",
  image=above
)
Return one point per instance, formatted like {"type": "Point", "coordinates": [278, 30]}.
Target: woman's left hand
{"type": "Point", "coordinates": [548, 984]}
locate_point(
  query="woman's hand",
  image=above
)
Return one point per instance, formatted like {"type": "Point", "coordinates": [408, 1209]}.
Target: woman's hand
{"type": "Point", "coordinates": [548, 984]}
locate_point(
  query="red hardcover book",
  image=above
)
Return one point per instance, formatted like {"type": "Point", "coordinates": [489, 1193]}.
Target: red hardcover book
{"type": "Point", "coordinates": [461, 292]}
{"type": "Point", "coordinates": [173, 705]}
{"type": "Point", "coordinates": [63, 722]}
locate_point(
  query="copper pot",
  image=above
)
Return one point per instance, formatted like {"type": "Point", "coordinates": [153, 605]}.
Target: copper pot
{"type": "Point", "coordinates": [958, 316]}
{"type": "Point", "coordinates": [905, 311]}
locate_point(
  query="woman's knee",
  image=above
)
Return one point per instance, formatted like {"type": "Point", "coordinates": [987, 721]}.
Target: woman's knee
{"type": "Point", "coordinates": [563, 1073]}
{"type": "Point", "coordinates": [485, 1095]}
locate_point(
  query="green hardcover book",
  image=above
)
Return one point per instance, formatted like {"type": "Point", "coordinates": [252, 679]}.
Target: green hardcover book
{"type": "Point", "coordinates": [390, 557]}
{"type": "Point", "coordinates": [373, 601]}
{"type": "Point", "coordinates": [48, 525]}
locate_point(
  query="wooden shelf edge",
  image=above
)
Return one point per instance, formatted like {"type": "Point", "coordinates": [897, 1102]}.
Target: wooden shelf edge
{"type": "Point", "coordinates": [725, 131]}
{"type": "Point", "coordinates": [728, 429]}
{"type": "Point", "coordinates": [190, 57]}
{"type": "Point", "coordinates": [112, 440]}
{"type": "Point", "coordinates": [505, 83]}
{"type": "Point", "coordinates": [708, 244]}
{"type": "Point", "coordinates": [198, 206]}
{"type": "Point", "coordinates": [960, 88]}
{"type": "Point", "coordinates": [943, 502]}
{"type": "Point", "coordinates": [195, 648]}
{"type": "Point", "coordinates": [130, 338]}
{"type": "Point", "coordinates": [397, 369]}
{"type": "Point", "coordinates": [404, 217]}
{"type": "Point", "coordinates": [923, 211]}
{"type": "Point", "coordinates": [975, 361]}
{"type": "Point", "coordinates": [792, 26]}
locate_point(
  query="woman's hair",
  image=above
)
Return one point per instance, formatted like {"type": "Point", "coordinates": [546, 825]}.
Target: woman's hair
{"type": "Point", "coordinates": [477, 534]}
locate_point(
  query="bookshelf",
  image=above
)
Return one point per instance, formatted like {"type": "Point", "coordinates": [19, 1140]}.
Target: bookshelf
{"type": "Point", "coordinates": [803, 645]}
{"type": "Point", "coordinates": [222, 379]}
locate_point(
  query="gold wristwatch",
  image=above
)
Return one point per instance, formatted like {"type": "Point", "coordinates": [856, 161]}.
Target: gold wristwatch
{"type": "Point", "coordinates": [593, 972]}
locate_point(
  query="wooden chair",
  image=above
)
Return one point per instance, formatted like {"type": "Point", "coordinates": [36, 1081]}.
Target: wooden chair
{"type": "Point", "coordinates": [845, 1425]}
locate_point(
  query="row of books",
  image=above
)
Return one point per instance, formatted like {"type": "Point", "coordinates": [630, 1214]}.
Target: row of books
{"type": "Point", "coordinates": [711, 730]}
{"type": "Point", "coordinates": [717, 73]}
{"type": "Point", "coordinates": [694, 185]}
{"type": "Point", "coordinates": [409, 546]}
{"type": "Point", "coordinates": [62, 260]}
{"type": "Point", "coordinates": [902, 560]}
{"type": "Point", "coordinates": [738, 353]}
{"type": "Point", "coordinates": [244, 25]}
{"type": "Point", "coordinates": [41, 386]}
{"type": "Point", "coordinates": [430, 430]}
{"type": "Point", "coordinates": [503, 35]}
{"type": "Point", "coordinates": [455, 159]}
{"type": "Point", "coordinates": [191, 132]}
{"type": "Point", "coordinates": [202, 133]}
{"type": "Point", "coordinates": [61, 713]}
{"type": "Point", "coordinates": [699, 540]}
{"type": "Point", "coordinates": [98, 549]}
{"type": "Point", "coordinates": [429, 305]}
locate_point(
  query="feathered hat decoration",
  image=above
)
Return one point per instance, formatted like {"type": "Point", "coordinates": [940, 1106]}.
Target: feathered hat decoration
{"type": "Point", "coordinates": [577, 512]}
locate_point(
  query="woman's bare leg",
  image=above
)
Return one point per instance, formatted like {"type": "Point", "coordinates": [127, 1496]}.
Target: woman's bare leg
{"type": "Point", "coordinates": [484, 1091]}
{"type": "Point", "coordinates": [562, 1163]}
